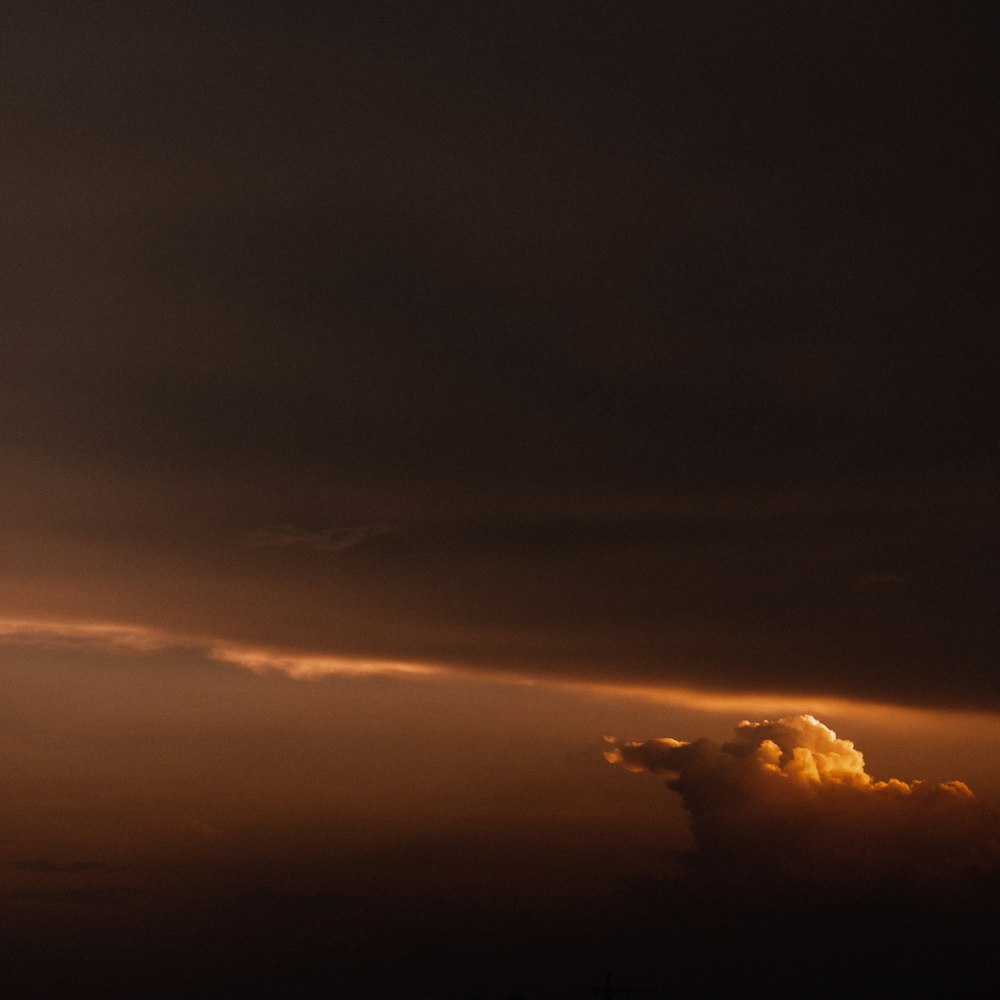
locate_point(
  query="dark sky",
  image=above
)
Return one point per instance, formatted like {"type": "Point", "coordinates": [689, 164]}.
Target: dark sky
{"type": "Point", "coordinates": [648, 343]}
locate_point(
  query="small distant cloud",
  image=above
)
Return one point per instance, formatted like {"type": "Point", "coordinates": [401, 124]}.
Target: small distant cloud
{"type": "Point", "coordinates": [60, 868]}
{"type": "Point", "coordinates": [791, 800]}
{"type": "Point", "coordinates": [324, 540]}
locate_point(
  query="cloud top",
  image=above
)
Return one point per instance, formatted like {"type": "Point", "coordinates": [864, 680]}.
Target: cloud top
{"type": "Point", "coordinates": [790, 798]}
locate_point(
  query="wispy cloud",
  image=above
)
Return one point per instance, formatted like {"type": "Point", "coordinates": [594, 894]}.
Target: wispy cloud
{"type": "Point", "coordinates": [323, 540]}
{"type": "Point", "coordinates": [313, 666]}
{"type": "Point", "coordinates": [256, 658]}
{"type": "Point", "coordinates": [91, 633]}
{"type": "Point", "coordinates": [310, 665]}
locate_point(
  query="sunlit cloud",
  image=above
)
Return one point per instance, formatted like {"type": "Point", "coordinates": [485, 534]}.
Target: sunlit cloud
{"type": "Point", "coordinates": [302, 666]}
{"type": "Point", "coordinates": [791, 799]}
{"type": "Point", "coordinates": [312, 667]}
{"type": "Point", "coordinates": [86, 633]}
{"type": "Point", "coordinates": [767, 702]}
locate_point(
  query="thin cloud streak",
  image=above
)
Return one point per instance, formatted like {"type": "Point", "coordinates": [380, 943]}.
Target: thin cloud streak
{"type": "Point", "coordinates": [324, 540]}
{"type": "Point", "coordinates": [100, 634]}
{"type": "Point", "coordinates": [110, 635]}
{"type": "Point", "coordinates": [313, 666]}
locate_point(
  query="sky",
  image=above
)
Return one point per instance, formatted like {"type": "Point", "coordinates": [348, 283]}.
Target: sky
{"type": "Point", "coordinates": [396, 400]}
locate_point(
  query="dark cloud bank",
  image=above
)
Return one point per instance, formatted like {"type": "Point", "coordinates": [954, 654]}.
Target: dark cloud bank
{"type": "Point", "coordinates": [653, 331]}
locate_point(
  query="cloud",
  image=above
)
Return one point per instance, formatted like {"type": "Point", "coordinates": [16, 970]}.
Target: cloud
{"type": "Point", "coordinates": [324, 540]}
{"type": "Point", "coordinates": [87, 633]}
{"type": "Point", "coordinates": [107, 635]}
{"type": "Point", "coordinates": [791, 799]}
{"type": "Point", "coordinates": [304, 667]}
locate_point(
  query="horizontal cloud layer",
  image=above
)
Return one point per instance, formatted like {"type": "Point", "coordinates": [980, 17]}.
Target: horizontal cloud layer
{"type": "Point", "coordinates": [791, 799]}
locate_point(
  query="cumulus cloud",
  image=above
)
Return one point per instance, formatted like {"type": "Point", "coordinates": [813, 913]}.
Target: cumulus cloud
{"type": "Point", "coordinates": [324, 540]}
{"type": "Point", "coordinates": [789, 798]}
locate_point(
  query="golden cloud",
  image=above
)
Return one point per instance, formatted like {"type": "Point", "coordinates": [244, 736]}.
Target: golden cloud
{"type": "Point", "coordinates": [791, 799]}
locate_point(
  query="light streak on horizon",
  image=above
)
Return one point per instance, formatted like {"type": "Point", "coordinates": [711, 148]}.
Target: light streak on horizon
{"type": "Point", "coordinates": [314, 666]}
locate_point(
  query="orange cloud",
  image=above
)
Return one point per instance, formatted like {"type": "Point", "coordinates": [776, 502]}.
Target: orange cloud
{"type": "Point", "coordinates": [258, 659]}
{"type": "Point", "coordinates": [790, 798]}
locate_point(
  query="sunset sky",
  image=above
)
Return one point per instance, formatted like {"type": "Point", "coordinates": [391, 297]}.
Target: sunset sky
{"type": "Point", "coordinates": [396, 400]}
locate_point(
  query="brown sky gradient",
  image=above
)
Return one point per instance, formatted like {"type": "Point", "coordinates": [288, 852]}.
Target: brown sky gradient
{"type": "Point", "coordinates": [538, 372]}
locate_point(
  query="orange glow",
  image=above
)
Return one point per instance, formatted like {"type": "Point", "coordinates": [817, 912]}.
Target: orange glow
{"type": "Point", "coordinates": [752, 797]}
{"type": "Point", "coordinates": [140, 638]}
{"type": "Point", "coordinates": [776, 703]}
{"type": "Point", "coordinates": [87, 632]}
{"type": "Point", "coordinates": [313, 666]}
